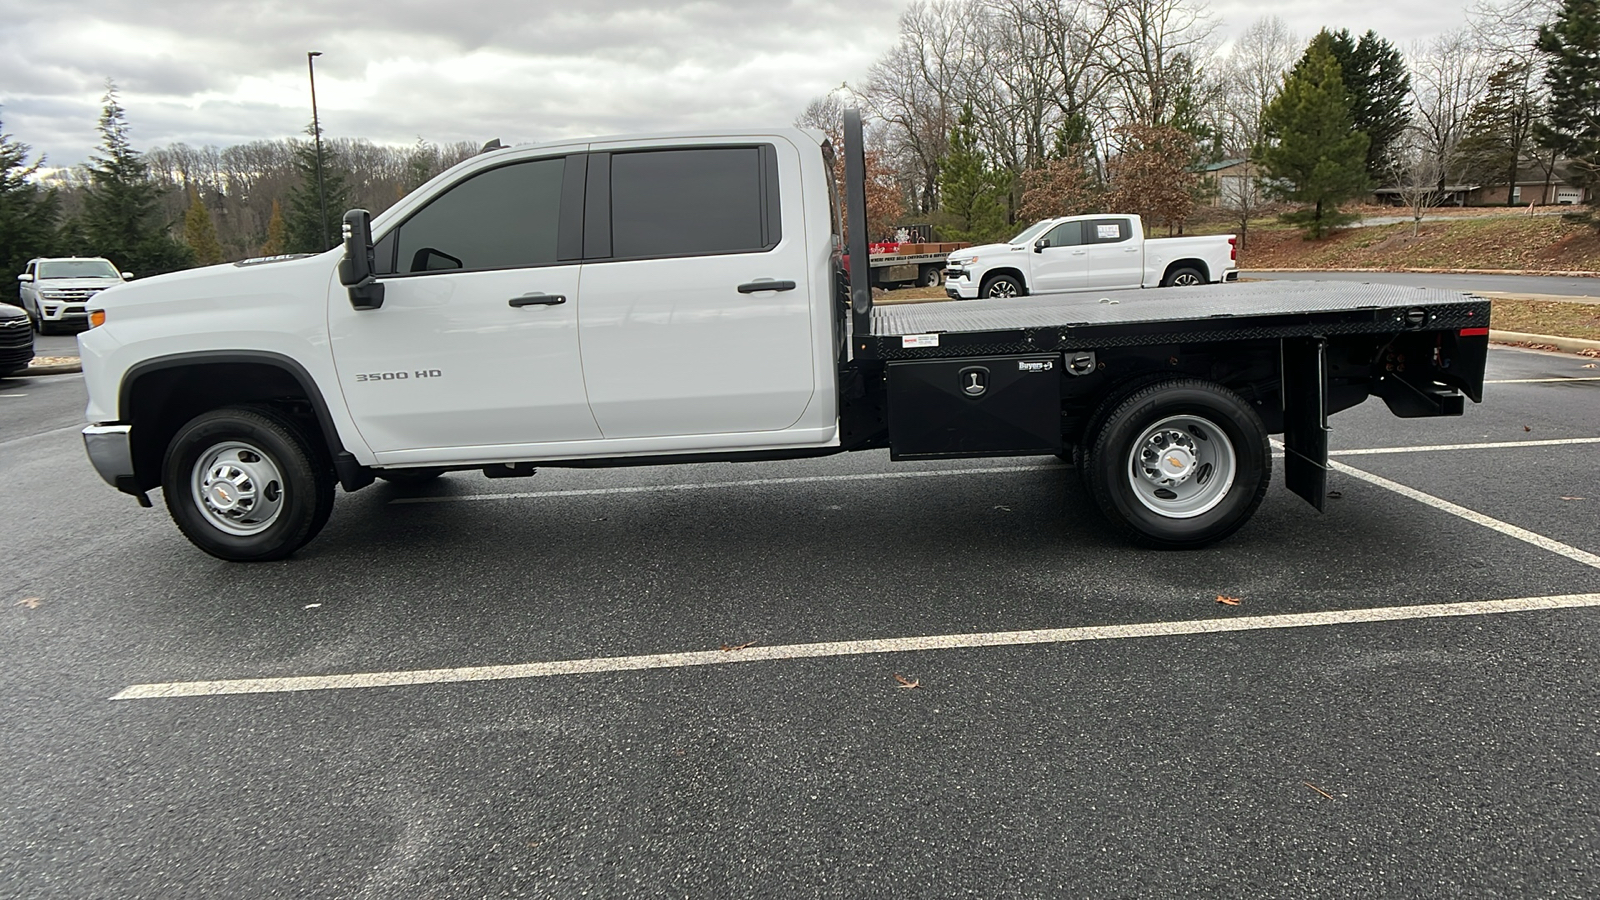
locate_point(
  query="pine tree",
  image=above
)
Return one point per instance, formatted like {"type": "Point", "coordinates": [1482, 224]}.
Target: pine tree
{"type": "Point", "coordinates": [1500, 127]}
{"type": "Point", "coordinates": [277, 241]}
{"type": "Point", "coordinates": [122, 207]}
{"type": "Point", "coordinates": [972, 193]}
{"type": "Point", "coordinates": [27, 213]}
{"type": "Point", "coordinates": [1314, 152]}
{"type": "Point", "coordinates": [307, 230]}
{"type": "Point", "coordinates": [1378, 89]}
{"type": "Point", "coordinates": [1571, 45]}
{"type": "Point", "coordinates": [200, 232]}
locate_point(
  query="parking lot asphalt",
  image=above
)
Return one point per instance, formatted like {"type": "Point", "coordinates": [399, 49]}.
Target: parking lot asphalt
{"type": "Point", "coordinates": [1451, 756]}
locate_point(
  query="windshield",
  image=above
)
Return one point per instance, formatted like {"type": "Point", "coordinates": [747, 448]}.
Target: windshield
{"type": "Point", "coordinates": [77, 268]}
{"type": "Point", "coordinates": [1031, 232]}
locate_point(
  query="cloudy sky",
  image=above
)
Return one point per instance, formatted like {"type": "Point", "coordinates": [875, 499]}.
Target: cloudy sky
{"type": "Point", "coordinates": [228, 71]}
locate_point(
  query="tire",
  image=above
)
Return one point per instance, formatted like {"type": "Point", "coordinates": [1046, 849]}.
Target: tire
{"type": "Point", "coordinates": [999, 287]}
{"type": "Point", "coordinates": [1208, 472]}
{"type": "Point", "coordinates": [410, 478]}
{"type": "Point", "coordinates": [1184, 277]}
{"type": "Point", "coordinates": [222, 471]}
{"type": "Point", "coordinates": [931, 277]}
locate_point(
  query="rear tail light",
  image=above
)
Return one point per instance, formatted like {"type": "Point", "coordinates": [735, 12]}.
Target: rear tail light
{"type": "Point", "coordinates": [1233, 249]}
{"type": "Point", "coordinates": [1474, 332]}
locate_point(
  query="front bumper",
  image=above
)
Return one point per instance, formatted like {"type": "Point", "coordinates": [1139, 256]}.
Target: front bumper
{"type": "Point", "coordinates": [958, 284]}
{"type": "Point", "coordinates": [63, 311]}
{"type": "Point", "coordinates": [16, 344]}
{"type": "Point", "coordinates": [110, 449]}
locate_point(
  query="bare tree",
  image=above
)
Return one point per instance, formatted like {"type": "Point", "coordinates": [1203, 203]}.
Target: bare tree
{"type": "Point", "coordinates": [1153, 55]}
{"type": "Point", "coordinates": [1449, 76]}
{"type": "Point", "coordinates": [1418, 174]}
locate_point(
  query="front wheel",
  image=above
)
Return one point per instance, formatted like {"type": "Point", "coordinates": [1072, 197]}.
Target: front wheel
{"type": "Point", "coordinates": [1179, 464]}
{"type": "Point", "coordinates": [247, 484]}
{"type": "Point", "coordinates": [1000, 287]}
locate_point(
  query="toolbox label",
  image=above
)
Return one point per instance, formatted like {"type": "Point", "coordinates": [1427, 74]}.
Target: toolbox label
{"type": "Point", "coordinates": [1036, 365]}
{"type": "Point", "coordinates": [919, 340]}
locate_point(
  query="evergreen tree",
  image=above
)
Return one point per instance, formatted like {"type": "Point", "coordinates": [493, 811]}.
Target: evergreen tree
{"type": "Point", "coordinates": [1500, 127]}
{"type": "Point", "coordinates": [1377, 86]}
{"type": "Point", "coordinates": [971, 191]}
{"type": "Point", "coordinates": [307, 230]}
{"type": "Point", "coordinates": [27, 214]}
{"type": "Point", "coordinates": [1314, 152]}
{"type": "Point", "coordinates": [1571, 45]}
{"type": "Point", "coordinates": [277, 241]}
{"type": "Point", "coordinates": [122, 207]}
{"type": "Point", "coordinates": [200, 232]}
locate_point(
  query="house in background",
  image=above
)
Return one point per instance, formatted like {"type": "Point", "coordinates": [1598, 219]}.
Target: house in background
{"type": "Point", "coordinates": [1235, 182]}
{"type": "Point", "coordinates": [1538, 183]}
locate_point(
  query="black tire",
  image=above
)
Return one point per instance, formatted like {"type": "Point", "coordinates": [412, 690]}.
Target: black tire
{"type": "Point", "coordinates": [281, 446]}
{"type": "Point", "coordinates": [1001, 287]}
{"type": "Point", "coordinates": [410, 478]}
{"type": "Point", "coordinates": [1111, 475]}
{"type": "Point", "coordinates": [931, 277]}
{"type": "Point", "coordinates": [1184, 277]}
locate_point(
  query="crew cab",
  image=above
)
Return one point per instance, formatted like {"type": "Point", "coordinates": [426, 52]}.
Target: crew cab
{"type": "Point", "coordinates": [702, 277]}
{"type": "Point", "coordinates": [56, 291]}
{"type": "Point", "coordinates": [1088, 253]}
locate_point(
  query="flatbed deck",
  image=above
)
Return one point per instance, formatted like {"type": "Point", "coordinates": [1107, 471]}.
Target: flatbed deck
{"type": "Point", "coordinates": [1144, 317]}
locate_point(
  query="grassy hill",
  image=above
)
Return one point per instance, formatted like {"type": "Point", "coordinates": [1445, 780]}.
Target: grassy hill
{"type": "Point", "coordinates": [1513, 242]}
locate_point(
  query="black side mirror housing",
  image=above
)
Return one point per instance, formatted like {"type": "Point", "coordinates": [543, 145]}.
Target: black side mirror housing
{"type": "Point", "coordinates": [1040, 244]}
{"type": "Point", "coordinates": [356, 269]}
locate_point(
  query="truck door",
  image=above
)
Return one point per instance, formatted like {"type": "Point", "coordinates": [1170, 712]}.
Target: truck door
{"type": "Point", "coordinates": [1116, 257]}
{"type": "Point", "coordinates": [696, 315]}
{"type": "Point", "coordinates": [476, 343]}
{"type": "Point", "coordinates": [1062, 264]}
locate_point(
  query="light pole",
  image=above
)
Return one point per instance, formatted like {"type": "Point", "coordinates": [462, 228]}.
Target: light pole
{"type": "Point", "coordinates": [316, 133]}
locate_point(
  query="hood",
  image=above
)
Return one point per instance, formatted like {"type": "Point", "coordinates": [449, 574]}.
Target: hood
{"type": "Point", "coordinates": [264, 281]}
{"type": "Point", "coordinates": [8, 311]}
{"type": "Point", "coordinates": [75, 284]}
{"type": "Point", "coordinates": [983, 250]}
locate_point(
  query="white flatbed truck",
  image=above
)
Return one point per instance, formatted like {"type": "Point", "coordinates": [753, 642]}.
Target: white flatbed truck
{"type": "Point", "coordinates": [716, 324]}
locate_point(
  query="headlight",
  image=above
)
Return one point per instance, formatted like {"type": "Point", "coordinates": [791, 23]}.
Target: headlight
{"type": "Point", "coordinates": [963, 260]}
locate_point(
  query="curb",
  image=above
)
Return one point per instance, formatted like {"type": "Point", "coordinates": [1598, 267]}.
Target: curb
{"type": "Point", "coordinates": [1553, 273]}
{"type": "Point", "coordinates": [70, 368]}
{"type": "Point", "coordinates": [1570, 345]}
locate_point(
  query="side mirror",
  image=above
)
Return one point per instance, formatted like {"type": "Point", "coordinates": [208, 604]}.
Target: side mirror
{"type": "Point", "coordinates": [1040, 244]}
{"type": "Point", "coordinates": [127, 276]}
{"type": "Point", "coordinates": [355, 270]}
{"type": "Point", "coordinates": [25, 277]}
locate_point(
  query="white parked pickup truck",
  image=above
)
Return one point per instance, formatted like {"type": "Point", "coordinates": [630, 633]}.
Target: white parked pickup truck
{"type": "Point", "coordinates": [682, 299]}
{"type": "Point", "coordinates": [1088, 253]}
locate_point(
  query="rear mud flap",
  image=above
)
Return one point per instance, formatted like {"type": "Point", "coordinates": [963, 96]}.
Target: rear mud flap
{"type": "Point", "coordinates": [1305, 418]}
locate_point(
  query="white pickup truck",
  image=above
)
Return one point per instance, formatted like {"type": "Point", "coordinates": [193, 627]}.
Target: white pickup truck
{"type": "Point", "coordinates": [1088, 253]}
{"type": "Point", "coordinates": [682, 298]}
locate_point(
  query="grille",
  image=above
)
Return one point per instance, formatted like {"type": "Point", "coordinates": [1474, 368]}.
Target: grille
{"type": "Point", "coordinates": [71, 295]}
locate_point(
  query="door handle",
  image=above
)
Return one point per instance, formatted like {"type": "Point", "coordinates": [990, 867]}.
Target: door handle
{"type": "Point", "coordinates": [1130, 250]}
{"type": "Point", "coordinates": [537, 299]}
{"type": "Point", "coordinates": [1079, 252]}
{"type": "Point", "coordinates": [766, 285]}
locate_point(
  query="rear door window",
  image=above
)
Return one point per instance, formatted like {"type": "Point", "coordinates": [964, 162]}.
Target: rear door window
{"type": "Point", "coordinates": [692, 202]}
{"type": "Point", "coordinates": [1107, 231]}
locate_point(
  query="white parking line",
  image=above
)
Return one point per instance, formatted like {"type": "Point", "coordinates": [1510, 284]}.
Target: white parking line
{"type": "Point", "coordinates": [1543, 380]}
{"type": "Point", "coordinates": [927, 473]}
{"type": "Point", "coordinates": [846, 648]}
{"type": "Point", "coordinates": [1478, 518]}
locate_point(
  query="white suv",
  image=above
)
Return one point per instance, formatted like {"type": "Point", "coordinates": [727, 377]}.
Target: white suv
{"type": "Point", "coordinates": [54, 291]}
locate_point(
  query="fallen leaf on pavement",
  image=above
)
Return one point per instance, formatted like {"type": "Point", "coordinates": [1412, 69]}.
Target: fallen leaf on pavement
{"type": "Point", "coordinates": [1317, 789]}
{"type": "Point", "coordinates": [906, 683]}
{"type": "Point", "coordinates": [29, 602]}
{"type": "Point", "coordinates": [1228, 601]}
{"type": "Point", "coordinates": [1587, 366]}
{"type": "Point", "coordinates": [1526, 428]}
{"type": "Point", "coordinates": [729, 648]}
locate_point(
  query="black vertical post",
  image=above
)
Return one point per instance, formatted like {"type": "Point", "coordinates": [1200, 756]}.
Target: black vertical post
{"type": "Point", "coordinates": [855, 181]}
{"type": "Point", "coordinates": [316, 129]}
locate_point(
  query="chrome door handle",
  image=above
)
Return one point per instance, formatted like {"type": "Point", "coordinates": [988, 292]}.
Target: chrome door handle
{"type": "Point", "coordinates": [538, 299]}
{"type": "Point", "coordinates": [765, 285]}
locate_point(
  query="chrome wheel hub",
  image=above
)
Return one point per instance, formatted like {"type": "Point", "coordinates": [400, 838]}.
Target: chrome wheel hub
{"type": "Point", "coordinates": [238, 488]}
{"type": "Point", "coordinates": [1182, 466]}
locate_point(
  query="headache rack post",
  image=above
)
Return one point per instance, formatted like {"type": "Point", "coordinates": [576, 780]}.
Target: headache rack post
{"type": "Point", "coordinates": [855, 180]}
